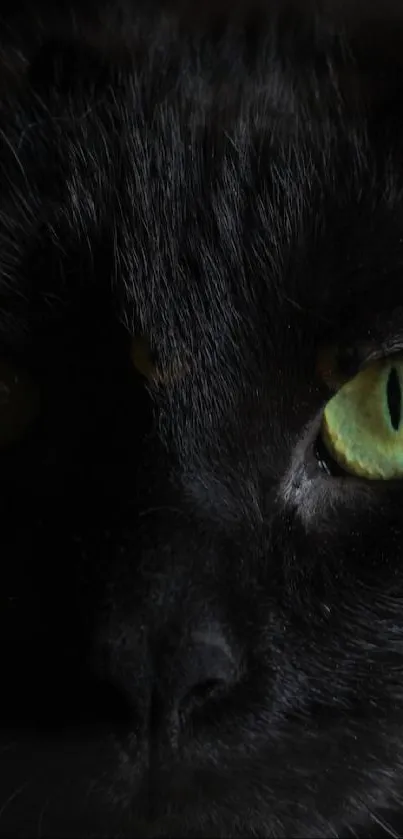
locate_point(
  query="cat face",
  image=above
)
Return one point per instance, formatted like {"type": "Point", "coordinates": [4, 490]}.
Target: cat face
{"type": "Point", "coordinates": [200, 607]}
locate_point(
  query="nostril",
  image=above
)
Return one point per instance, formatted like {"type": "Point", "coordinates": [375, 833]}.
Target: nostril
{"type": "Point", "coordinates": [192, 677]}
{"type": "Point", "coordinates": [207, 688]}
{"type": "Point", "coordinates": [201, 693]}
{"type": "Point", "coordinates": [207, 671]}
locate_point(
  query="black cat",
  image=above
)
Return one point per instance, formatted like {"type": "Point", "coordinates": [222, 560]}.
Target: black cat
{"type": "Point", "coordinates": [201, 589]}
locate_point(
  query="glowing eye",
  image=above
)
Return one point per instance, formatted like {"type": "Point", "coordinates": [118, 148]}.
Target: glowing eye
{"type": "Point", "coordinates": [141, 358]}
{"type": "Point", "coordinates": [362, 425]}
{"type": "Point", "coordinates": [19, 403]}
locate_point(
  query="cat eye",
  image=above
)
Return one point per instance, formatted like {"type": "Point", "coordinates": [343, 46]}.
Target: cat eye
{"type": "Point", "coordinates": [142, 359]}
{"type": "Point", "coordinates": [145, 361]}
{"type": "Point", "coordinates": [19, 403]}
{"type": "Point", "coordinates": [362, 425]}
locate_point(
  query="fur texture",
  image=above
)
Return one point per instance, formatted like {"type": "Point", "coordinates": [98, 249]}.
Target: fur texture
{"type": "Point", "coordinates": [202, 632]}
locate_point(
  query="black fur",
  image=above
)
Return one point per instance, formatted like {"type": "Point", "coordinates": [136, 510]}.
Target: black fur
{"type": "Point", "coordinates": [202, 631]}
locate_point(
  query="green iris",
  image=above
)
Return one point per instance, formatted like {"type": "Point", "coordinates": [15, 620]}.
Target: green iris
{"type": "Point", "coordinates": [362, 424]}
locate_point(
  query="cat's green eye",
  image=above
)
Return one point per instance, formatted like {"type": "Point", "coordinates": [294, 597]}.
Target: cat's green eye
{"type": "Point", "coordinates": [362, 425]}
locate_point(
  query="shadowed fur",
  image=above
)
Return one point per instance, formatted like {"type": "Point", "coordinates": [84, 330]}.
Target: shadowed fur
{"type": "Point", "coordinates": [202, 630]}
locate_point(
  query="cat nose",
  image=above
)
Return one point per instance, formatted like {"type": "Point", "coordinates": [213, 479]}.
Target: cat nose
{"type": "Point", "coordinates": [203, 669]}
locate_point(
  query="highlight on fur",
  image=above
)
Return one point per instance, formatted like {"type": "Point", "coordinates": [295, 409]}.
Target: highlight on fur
{"type": "Point", "coordinates": [201, 623]}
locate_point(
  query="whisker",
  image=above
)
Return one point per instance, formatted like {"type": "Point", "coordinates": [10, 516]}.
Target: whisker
{"type": "Point", "coordinates": [384, 825]}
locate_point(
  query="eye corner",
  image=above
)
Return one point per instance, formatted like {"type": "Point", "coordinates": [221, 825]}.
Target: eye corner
{"type": "Point", "coordinates": [326, 463]}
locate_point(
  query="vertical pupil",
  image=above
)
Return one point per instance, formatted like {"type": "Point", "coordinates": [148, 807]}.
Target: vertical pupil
{"type": "Point", "coordinates": [394, 398]}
